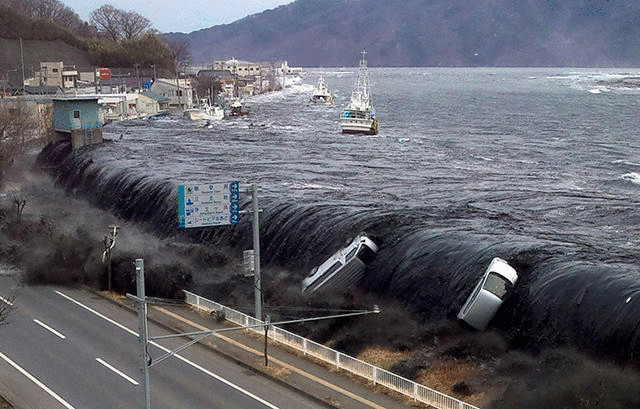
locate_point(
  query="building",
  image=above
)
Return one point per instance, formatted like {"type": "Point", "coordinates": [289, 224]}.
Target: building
{"type": "Point", "coordinates": [151, 104]}
{"type": "Point", "coordinates": [77, 119]}
{"type": "Point", "coordinates": [227, 79]}
{"type": "Point", "coordinates": [241, 68]}
{"type": "Point", "coordinates": [179, 92]}
{"type": "Point", "coordinates": [117, 107]}
{"type": "Point", "coordinates": [54, 74]}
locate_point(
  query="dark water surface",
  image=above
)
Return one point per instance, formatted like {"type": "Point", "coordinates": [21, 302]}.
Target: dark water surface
{"type": "Point", "coordinates": [538, 166]}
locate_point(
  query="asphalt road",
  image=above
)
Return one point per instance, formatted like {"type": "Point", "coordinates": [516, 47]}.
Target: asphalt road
{"type": "Point", "coordinates": [66, 348]}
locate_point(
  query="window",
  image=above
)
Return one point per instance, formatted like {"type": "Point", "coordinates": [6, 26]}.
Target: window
{"type": "Point", "coordinates": [76, 114]}
{"type": "Point", "coordinates": [54, 70]}
{"type": "Point", "coordinates": [350, 255]}
{"type": "Point", "coordinates": [497, 285]}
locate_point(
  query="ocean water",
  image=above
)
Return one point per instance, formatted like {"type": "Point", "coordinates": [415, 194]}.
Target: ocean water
{"type": "Point", "coordinates": [539, 166]}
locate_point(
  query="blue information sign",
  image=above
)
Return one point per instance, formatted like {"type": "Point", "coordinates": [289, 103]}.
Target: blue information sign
{"type": "Point", "coordinates": [214, 204]}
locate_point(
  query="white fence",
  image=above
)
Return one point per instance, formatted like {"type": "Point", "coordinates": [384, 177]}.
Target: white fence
{"type": "Point", "coordinates": [376, 375]}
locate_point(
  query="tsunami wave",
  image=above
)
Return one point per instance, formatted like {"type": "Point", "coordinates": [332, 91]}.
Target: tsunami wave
{"type": "Point", "coordinates": [568, 293]}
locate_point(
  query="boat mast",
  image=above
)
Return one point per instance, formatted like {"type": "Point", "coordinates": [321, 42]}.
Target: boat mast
{"type": "Point", "coordinates": [361, 88]}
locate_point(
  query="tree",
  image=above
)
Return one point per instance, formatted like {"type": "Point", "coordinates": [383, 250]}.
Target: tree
{"type": "Point", "coordinates": [119, 24]}
{"type": "Point", "coordinates": [16, 120]}
{"type": "Point", "coordinates": [107, 20]}
{"type": "Point", "coordinates": [180, 55]}
{"type": "Point", "coordinates": [134, 25]}
{"type": "Point", "coordinates": [53, 11]}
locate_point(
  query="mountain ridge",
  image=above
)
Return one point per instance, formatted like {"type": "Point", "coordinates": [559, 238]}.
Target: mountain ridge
{"type": "Point", "coordinates": [430, 33]}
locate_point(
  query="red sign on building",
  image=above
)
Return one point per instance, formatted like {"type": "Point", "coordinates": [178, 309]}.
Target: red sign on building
{"type": "Point", "coordinates": [105, 74]}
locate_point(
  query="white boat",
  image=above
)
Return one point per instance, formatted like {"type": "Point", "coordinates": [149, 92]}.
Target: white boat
{"type": "Point", "coordinates": [359, 115]}
{"type": "Point", "coordinates": [321, 93]}
{"type": "Point", "coordinates": [204, 111]}
{"type": "Point", "coordinates": [235, 108]}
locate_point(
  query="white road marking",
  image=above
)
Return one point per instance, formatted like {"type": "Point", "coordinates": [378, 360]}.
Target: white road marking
{"type": "Point", "coordinates": [183, 359]}
{"type": "Point", "coordinates": [36, 381]}
{"type": "Point", "coordinates": [45, 326]}
{"type": "Point", "coordinates": [133, 381]}
{"type": "Point", "coordinates": [4, 300]}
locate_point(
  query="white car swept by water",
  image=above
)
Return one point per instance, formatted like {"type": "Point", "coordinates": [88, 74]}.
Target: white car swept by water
{"type": "Point", "coordinates": [343, 269]}
{"type": "Point", "coordinates": [488, 294]}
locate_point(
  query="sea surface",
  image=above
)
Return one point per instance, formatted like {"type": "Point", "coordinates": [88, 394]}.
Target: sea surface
{"type": "Point", "coordinates": [539, 166]}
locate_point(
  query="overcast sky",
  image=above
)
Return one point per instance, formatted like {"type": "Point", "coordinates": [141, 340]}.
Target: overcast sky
{"type": "Point", "coordinates": [181, 15]}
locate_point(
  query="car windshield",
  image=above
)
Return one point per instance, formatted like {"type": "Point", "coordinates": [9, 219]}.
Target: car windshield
{"type": "Point", "coordinates": [351, 254]}
{"type": "Point", "coordinates": [497, 285]}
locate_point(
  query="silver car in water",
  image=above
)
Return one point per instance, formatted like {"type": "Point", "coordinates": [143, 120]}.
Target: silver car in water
{"type": "Point", "coordinates": [343, 269]}
{"type": "Point", "coordinates": [487, 296]}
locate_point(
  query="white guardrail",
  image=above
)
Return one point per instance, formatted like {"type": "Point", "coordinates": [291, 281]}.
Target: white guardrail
{"type": "Point", "coordinates": [374, 374]}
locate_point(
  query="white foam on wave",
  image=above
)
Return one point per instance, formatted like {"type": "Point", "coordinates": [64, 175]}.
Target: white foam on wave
{"type": "Point", "coordinates": [624, 162]}
{"type": "Point", "coordinates": [482, 158]}
{"type": "Point", "coordinates": [599, 90]}
{"type": "Point", "coordinates": [632, 177]}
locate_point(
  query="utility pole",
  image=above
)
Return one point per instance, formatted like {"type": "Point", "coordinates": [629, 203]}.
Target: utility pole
{"type": "Point", "coordinates": [22, 59]}
{"type": "Point", "coordinates": [145, 361]}
{"type": "Point", "coordinates": [256, 251]}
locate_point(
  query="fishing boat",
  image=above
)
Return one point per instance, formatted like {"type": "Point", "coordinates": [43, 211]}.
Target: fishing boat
{"type": "Point", "coordinates": [321, 93]}
{"type": "Point", "coordinates": [359, 115]}
{"type": "Point", "coordinates": [235, 108]}
{"type": "Point", "coordinates": [205, 111]}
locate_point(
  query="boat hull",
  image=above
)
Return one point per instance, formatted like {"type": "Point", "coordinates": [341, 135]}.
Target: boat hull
{"type": "Point", "coordinates": [199, 115]}
{"type": "Point", "coordinates": [359, 126]}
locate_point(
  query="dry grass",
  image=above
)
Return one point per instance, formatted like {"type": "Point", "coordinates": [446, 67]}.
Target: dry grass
{"type": "Point", "coordinates": [278, 372]}
{"type": "Point", "coordinates": [4, 404]}
{"type": "Point", "coordinates": [381, 357]}
{"type": "Point", "coordinates": [444, 374]}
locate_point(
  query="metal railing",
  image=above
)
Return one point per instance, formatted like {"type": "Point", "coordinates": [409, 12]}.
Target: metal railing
{"type": "Point", "coordinates": [374, 374]}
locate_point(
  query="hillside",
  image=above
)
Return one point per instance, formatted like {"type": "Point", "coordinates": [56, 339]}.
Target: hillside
{"type": "Point", "coordinates": [431, 33]}
{"type": "Point", "coordinates": [39, 50]}
{"type": "Point", "coordinates": [42, 41]}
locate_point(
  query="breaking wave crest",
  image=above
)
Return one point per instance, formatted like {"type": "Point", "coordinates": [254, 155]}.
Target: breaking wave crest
{"type": "Point", "coordinates": [430, 269]}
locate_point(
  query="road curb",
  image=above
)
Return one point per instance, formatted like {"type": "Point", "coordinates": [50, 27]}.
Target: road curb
{"type": "Point", "coordinates": [258, 370]}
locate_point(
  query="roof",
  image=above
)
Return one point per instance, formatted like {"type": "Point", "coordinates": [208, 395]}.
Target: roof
{"type": "Point", "coordinates": [216, 73]}
{"type": "Point", "coordinates": [44, 90]}
{"type": "Point", "coordinates": [153, 95]}
{"type": "Point", "coordinates": [76, 98]}
{"type": "Point", "coordinates": [503, 268]}
{"type": "Point", "coordinates": [172, 82]}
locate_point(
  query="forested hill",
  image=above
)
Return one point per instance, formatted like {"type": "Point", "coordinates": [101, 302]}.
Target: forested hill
{"type": "Point", "coordinates": [579, 33]}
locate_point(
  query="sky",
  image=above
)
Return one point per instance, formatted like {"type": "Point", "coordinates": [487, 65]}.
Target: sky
{"type": "Point", "coordinates": [181, 15]}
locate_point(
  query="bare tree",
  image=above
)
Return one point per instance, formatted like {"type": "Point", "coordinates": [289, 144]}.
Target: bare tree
{"type": "Point", "coordinates": [52, 10]}
{"type": "Point", "coordinates": [134, 25]}
{"type": "Point", "coordinates": [119, 24]}
{"type": "Point", "coordinates": [16, 121]}
{"type": "Point", "coordinates": [20, 203]}
{"type": "Point", "coordinates": [180, 55]}
{"type": "Point", "coordinates": [107, 20]}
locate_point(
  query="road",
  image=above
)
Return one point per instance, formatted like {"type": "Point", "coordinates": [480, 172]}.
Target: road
{"type": "Point", "coordinates": [68, 348]}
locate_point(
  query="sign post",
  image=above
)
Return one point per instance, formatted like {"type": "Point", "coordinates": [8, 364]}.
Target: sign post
{"type": "Point", "coordinates": [218, 204]}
